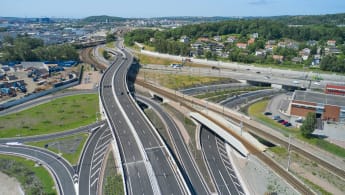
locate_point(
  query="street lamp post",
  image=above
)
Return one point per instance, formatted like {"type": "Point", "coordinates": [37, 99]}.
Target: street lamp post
{"type": "Point", "coordinates": [289, 154]}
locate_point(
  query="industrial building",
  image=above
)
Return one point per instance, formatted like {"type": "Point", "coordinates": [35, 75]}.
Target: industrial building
{"type": "Point", "coordinates": [335, 89]}
{"type": "Point", "coordinates": [326, 106]}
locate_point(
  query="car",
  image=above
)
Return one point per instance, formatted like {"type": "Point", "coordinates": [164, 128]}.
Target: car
{"type": "Point", "coordinates": [287, 124]}
{"type": "Point", "coordinates": [295, 82]}
{"type": "Point", "coordinates": [316, 83]}
{"type": "Point", "coordinates": [277, 117]}
{"type": "Point", "coordinates": [267, 113]}
{"type": "Point", "coordinates": [280, 120]}
{"type": "Point", "coordinates": [258, 72]}
{"type": "Point", "coordinates": [267, 77]}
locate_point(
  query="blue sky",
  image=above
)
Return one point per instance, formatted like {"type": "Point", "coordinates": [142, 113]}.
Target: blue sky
{"type": "Point", "coordinates": [158, 8]}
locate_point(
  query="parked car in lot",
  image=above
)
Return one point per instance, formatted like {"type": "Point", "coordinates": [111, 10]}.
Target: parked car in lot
{"type": "Point", "coordinates": [284, 122]}
{"type": "Point", "coordinates": [277, 117]}
{"type": "Point", "coordinates": [267, 113]}
{"type": "Point", "coordinates": [287, 124]}
{"type": "Point", "coordinates": [280, 120]}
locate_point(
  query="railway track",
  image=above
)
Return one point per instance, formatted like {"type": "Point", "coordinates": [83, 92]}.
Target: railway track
{"type": "Point", "coordinates": [263, 134]}
{"type": "Point", "coordinates": [254, 151]}
{"type": "Point", "coordinates": [85, 56]}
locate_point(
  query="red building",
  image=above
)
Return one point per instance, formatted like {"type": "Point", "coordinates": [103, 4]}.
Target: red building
{"type": "Point", "coordinates": [335, 90]}
{"type": "Point", "coordinates": [326, 106]}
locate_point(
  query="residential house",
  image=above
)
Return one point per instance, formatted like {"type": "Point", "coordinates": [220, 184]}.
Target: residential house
{"type": "Point", "coordinates": [282, 44]}
{"type": "Point", "coordinates": [269, 48]}
{"type": "Point", "coordinates": [217, 38]}
{"type": "Point", "coordinates": [311, 43]}
{"type": "Point", "coordinates": [316, 60]}
{"type": "Point", "coordinates": [231, 39]}
{"type": "Point", "coordinates": [241, 45]}
{"type": "Point", "coordinates": [219, 49]}
{"type": "Point", "coordinates": [331, 42]}
{"type": "Point", "coordinates": [250, 41]}
{"type": "Point", "coordinates": [260, 53]}
{"type": "Point", "coordinates": [304, 53]}
{"type": "Point", "coordinates": [184, 39]}
{"type": "Point", "coordinates": [196, 45]}
{"type": "Point", "coordinates": [332, 50]}
{"type": "Point", "coordinates": [254, 35]}
{"type": "Point", "coordinates": [271, 42]}
{"type": "Point", "coordinates": [292, 45]}
{"type": "Point", "coordinates": [278, 58]}
{"type": "Point", "coordinates": [204, 38]}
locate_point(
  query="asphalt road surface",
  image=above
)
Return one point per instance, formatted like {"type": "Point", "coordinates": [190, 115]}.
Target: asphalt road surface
{"type": "Point", "coordinates": [190, 169]}
{"type": "Point", "coordinates": [92, 160]}
{"type": "Point", "coordinates": [219, 164]}
{"type": "Point", "coordinates": [58, 167]}
{"type": "Point", "coordinates": [136, 176]}
{"type": "Point", "coordinates": [137, 180]}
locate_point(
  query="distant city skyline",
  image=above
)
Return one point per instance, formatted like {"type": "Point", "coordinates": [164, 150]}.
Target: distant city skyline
{"type": "Point", "coordinates": [161, 8]}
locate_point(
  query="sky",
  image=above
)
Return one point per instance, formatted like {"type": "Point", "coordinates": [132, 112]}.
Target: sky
{"type": "Point", "coordinates": [160, 8]}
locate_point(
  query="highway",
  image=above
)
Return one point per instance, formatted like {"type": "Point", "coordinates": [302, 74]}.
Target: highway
{"type": "Point", "coordinates": [136, 162]}
{"type": "Point", "coordinates": [136, 177]}
{"type": "Point", "coordinates": [92, 160]}
{"type": "Point", "coordinates": [218, 162]}
{"type": "Point", "coordinates": [52, 135]}
{"type": "Point", "coordinates": [61, 170]}
{"type": "Point", "coordinates": [190, 169]}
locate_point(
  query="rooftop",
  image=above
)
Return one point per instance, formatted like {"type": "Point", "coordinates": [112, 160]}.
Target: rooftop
{"type": "Point", "coordinates": [319, 98]}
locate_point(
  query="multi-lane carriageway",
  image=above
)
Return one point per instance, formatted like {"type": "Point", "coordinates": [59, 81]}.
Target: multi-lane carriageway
{"type": "Point", "coordinates": [147, 165]}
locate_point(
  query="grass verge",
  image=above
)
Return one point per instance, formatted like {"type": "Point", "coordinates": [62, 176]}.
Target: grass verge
{"type": "Point", "coordinates": [34, 180]}
{"type": "Point", "coordinates": [177, 81]}
{"type": "Point", "coordinates": [70, 147]}
{"type": "Point", "coordinates": [58, 115]}
{"type": "Point", "coordinates": [112, 183]}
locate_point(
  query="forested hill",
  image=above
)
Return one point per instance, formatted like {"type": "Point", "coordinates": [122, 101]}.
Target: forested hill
{"type": "Point", "coordinates": [333, 19]}
{"type": "Point", "coordinates": [103, 18]}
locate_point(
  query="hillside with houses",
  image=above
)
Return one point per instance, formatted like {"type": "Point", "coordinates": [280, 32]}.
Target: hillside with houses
{"type": "Point", "coordinates": [260, 41]}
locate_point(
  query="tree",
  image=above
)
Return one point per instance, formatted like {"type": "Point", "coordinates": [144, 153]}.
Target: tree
{"type": "Point", "coordinates": [308, 125]}
{"type": "Point", "coordinates": [110, 38]}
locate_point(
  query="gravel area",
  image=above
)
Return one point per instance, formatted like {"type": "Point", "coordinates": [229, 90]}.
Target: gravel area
{"type": "Point", "coordinates": [9, 185]}
{"type": "Point", "coordinates": [258, 178]}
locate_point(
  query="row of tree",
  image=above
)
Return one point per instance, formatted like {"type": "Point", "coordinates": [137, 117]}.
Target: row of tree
{"type": "Point", "coordinates": [25, 48]}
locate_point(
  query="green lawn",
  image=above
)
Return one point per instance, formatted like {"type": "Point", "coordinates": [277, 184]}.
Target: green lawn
{"type": "Point", "coordinates": [34, 180]}
{"type": "Point", "coordinates": [177, 81]}
{"type": "Point", "coordinates": [70, 147]}
{"type": "Point", "coordinates": [256, 111]}
{"type": "Point", "coordinates": [58, 115]}
{"type": "Point", "coordinates": [112, 183]}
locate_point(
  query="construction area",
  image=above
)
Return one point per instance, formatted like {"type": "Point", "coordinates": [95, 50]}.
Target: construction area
{"type": "Point", "coordinates": [25, 78]}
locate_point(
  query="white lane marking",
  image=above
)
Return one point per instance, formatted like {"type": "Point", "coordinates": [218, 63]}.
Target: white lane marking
{"type": "Point", "coordinates": [224, 181]}
{"type": "Point", "coordinates": [93, 183]}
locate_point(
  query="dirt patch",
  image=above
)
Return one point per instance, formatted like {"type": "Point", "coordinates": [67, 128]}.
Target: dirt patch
{"type": "Point", "coordinates": [9, 185]}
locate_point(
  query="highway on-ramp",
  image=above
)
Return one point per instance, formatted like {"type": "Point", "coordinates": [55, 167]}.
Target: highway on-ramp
{"type": "Point", "coordinates": [61, 172]}
{"type": "Point", "coordinates": [92, 160]}
{"type": "Point", "coordinates": [219, 165]}
{"type": "Point", "coordinates": [189, 167]}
